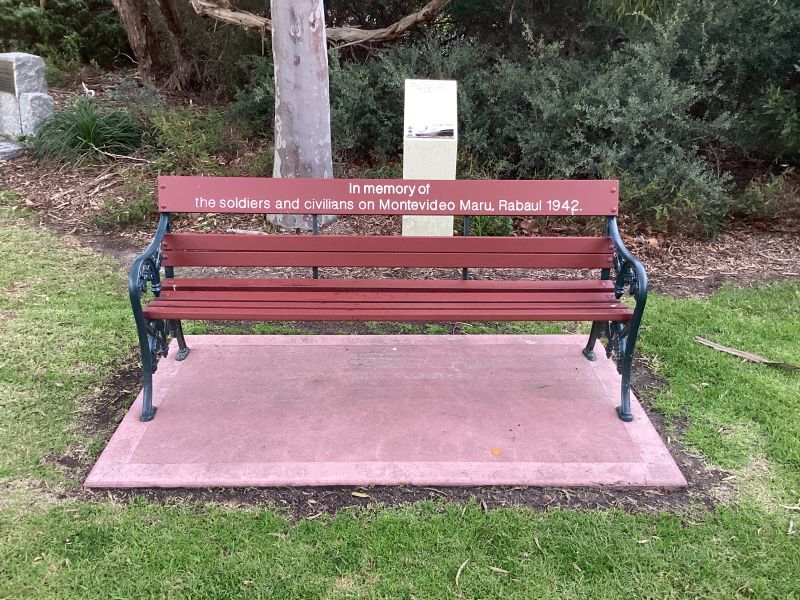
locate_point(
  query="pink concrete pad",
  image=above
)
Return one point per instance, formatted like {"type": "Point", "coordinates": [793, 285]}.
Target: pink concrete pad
{"type": "Point", "coordinates": [382, 410]}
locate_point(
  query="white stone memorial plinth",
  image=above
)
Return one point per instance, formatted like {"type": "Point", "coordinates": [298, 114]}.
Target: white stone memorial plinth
{"type": "Point", "coordinates": [430, 140]}
{"type": "Point", "coordinates": [24, 102]}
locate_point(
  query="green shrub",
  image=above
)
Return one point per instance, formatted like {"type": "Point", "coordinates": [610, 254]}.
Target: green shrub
{"type": "Point", "coordinates": [83, 131]}
{"type": "Point", "coordinates": [184, 141]}
{"type": "Point", "coordinates": [486, 225]}
{"type": "Point", "coordinates": [366, 111]}
{"type": "Point", "coordinates": [254, 103]}
{"type": "Point", "coordinates": [733, 52]}
{"type": "Point", "coordinates": [135, 208]}
{"type": "Point", "coordinates": [64, 32]}
{"type": "Point", "coordinates": [632, 12]}
{"type": "Point", "coordinates": [544, 115]}
{"type": "Point", "coordinates": [778, 196]}
{"type": "Point", "coordinates": [140, 98]}
{"type": "Point", "coordinates": [781, 110]}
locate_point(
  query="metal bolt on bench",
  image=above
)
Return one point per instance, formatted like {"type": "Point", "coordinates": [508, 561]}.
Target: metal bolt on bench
{"type": "Point", "coordinates": [161, 303]}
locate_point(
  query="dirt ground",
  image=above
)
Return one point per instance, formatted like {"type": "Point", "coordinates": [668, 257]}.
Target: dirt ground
{"type": "Point", "coordinates": [69, 200]}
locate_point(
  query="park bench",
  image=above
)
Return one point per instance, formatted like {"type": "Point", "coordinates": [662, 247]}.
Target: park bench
{"type": "Point", "coordinates": [595, 298]}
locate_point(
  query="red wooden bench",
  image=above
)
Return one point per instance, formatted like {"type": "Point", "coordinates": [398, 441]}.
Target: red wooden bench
{"type": "Point", "coordinates": [593, 298]}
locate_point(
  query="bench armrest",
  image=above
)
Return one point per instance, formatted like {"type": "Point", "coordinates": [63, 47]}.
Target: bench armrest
{"type": "Point", "coordinates": [146, 268]}
{"type": "Point", "coordinates": [629, 271]}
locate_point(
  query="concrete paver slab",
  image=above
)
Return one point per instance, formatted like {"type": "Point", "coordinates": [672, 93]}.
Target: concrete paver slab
{"type": "Point", "coordinates": [382, 410]}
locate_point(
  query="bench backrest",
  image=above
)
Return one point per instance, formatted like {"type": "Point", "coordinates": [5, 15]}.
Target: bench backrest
{"type": "Point", "coordinates": [225, 250]}
{"type": "Point", "coordinates": [388, 196]}
{"type": "Point", "coordinates": [382, 196]}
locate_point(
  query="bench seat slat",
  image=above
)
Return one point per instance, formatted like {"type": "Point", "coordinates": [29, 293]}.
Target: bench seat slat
{"type": "Point", "coordinates": [178, 258]}
{"type": "Point", "coordinates": [385, 305]}
{"type": "Point", "coordinates": [412, 300]}
{"type": "Point", "coordinates": [404, 285]}
{"type": "Point", "coordinates": [323, 295]}
{"type": "Point", "coordinates": [329, 314]}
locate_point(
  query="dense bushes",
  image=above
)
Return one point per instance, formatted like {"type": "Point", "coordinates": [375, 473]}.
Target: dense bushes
{"type": "Point", "coordinates": [735, 52]}
{"type": "Point", "coordinates": [656, 94]}
{"type": "Point", "coordinates": [66, 32]}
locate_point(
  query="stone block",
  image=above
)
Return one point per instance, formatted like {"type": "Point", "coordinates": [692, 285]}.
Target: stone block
{"type": "Point", "coordinates": [28, 72]}
{"type": "Point", "coordinates": [10, 125]}
{"type": "Point", "coordinates": [33, 109]}
{"type": "Point", "coordinates": [9, 150]}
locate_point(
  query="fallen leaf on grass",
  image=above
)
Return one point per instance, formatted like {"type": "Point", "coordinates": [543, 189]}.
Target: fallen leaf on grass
{"type": "Point", "coordinates": [748, 356]}
{"type": "Point", "coordinates": [460, 570]}
{"type": "Point", "coordinates": [538, 545]}
{"type": "Point", "coordinates": [498, 570]}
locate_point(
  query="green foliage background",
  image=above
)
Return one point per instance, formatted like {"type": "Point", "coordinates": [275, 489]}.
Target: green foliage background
{"type": "Point", "coordinates": [665, 96]}
{"type": "Point", "coordinates": [67, 32]}
{"type": "Point", "coordinates": [656, 94]}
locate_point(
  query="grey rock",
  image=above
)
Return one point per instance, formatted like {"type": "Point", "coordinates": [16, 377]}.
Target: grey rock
{"type": "Point", "coordinates": [33, 109]}
{"type": "Point", "coordinates": [10, 125]}
{"type": "Point", "coordinates": [10, 150]}
{"type": "Point", "coordinates": [21, 113]}
{"type": "Point", "coordinates": [28, 72]}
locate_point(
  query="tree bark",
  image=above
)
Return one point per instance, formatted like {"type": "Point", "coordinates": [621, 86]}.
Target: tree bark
{"type": "Point", "coordinates": [141, 35]}
{"type": "Point", "coordinates": [185, 72]}
{"type": "Point", "coordinates": [302, 105]}
{"type": "Point", "coordinates": [223, 10]}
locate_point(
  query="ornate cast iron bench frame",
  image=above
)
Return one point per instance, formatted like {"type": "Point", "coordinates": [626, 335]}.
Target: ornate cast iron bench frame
{"type": "Point", "coordinates": [596, 300]}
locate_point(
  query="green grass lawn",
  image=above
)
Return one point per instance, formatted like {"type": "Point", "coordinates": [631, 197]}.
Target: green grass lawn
{"type": "Point", "coordinates": [65, 326]}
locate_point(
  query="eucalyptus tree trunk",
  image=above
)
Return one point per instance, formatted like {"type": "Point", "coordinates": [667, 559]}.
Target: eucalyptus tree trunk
{"type": "Point", "coordinates": [302, 105]}
{"type": "Point", "coordinates": [185, 72]}
{"type": "Point", "coordinates": [135, 16]}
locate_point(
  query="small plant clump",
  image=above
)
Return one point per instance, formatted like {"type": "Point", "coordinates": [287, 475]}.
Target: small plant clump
{"type": "Point", "coordinates": [83, 132]}
{"type": "Point", "coordinates": [186, 141]}
{"type": "Point", "coordinates": [778, 196]}
{"type": "Point", "coordinates": [487, 225]}
{"type": "Point", "coordinates": [135, 209]}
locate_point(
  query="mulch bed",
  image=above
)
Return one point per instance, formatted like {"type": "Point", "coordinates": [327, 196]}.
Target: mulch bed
{"type": "Point", "coordinates": [70, 199]}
